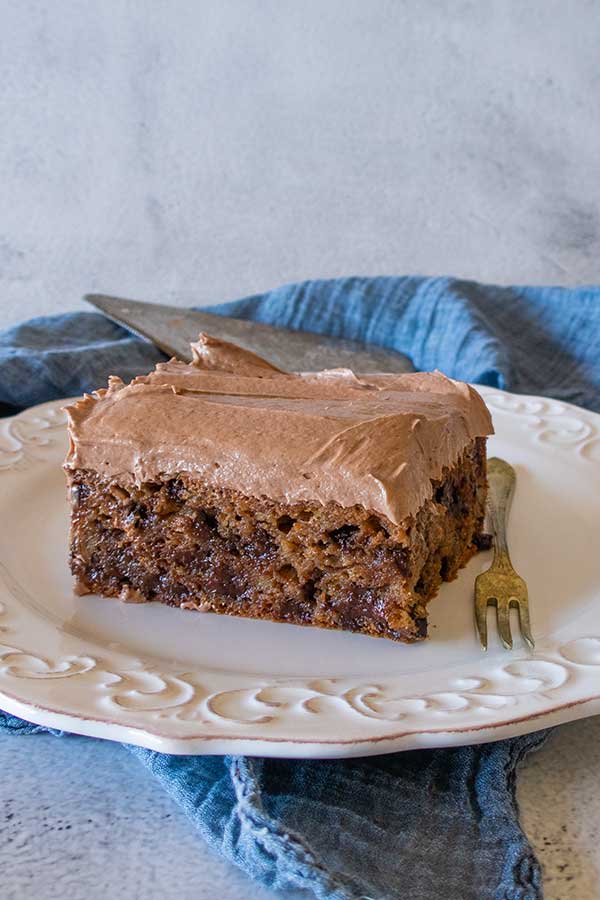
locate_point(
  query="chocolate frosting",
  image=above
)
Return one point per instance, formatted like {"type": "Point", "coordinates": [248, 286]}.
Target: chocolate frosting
{"type": "Point", "coordinates": [233, 419]}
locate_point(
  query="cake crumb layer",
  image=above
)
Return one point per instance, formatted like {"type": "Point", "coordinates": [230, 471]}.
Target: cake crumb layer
{"type": "Point", "coordinates": [203, 547]}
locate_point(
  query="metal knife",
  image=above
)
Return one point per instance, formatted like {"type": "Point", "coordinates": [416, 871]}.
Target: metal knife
{"type": "Point", "coordinates": [172, 329]}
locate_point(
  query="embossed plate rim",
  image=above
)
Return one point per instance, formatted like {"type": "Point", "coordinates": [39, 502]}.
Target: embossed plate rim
{"type": "Point", "coordinates": [120, 696]}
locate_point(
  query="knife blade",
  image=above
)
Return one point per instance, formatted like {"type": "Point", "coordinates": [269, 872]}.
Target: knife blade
{"type": "Point", "coordinates": [172, 329]}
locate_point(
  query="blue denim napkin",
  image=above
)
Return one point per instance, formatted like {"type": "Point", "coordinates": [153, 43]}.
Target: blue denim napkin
{"type": "Point", "coordinates": [440, 823]}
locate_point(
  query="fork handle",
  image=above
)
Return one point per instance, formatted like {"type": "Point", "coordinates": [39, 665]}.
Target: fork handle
{"type": "Point", "coordinates": [501, 479]}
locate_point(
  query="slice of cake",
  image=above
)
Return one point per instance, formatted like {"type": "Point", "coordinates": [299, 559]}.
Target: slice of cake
{"type": "Point", "coordinates": [324, 499]}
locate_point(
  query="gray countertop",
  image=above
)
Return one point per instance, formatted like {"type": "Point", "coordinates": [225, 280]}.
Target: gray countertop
{"type": "Point", "coordinates": [196, 152]}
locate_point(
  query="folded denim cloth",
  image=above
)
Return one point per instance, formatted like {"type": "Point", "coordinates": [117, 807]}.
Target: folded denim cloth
{"type": "Point", "coordinates": [413, 825]}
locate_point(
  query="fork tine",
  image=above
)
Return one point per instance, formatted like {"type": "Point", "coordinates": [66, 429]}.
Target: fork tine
{"type": "Point", "coordinates": [523, 607]}
{"type": "Point", "coordinates": [504, 625]}
{"type": "Point", "coordinates": [481, 621]}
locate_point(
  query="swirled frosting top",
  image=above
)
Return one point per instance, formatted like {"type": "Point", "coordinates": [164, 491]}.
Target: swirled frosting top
{"type": "Point", "coordinates": [232, 419]}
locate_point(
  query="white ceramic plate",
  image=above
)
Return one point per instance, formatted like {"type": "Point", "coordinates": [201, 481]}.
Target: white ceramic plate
{"type": "Point", "coordinates": [188, 682]}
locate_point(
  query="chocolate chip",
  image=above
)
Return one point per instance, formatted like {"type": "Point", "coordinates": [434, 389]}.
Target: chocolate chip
{"type": "Point", "coordinates": [483, 541]}
{"type": "Point", "coordinates": [344, 536]}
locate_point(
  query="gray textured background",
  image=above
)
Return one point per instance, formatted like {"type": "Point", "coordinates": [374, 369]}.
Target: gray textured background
{"type": "Point", "coordinates": [195, 152]}
{"type": "Point", "coordinates": [200, 151]}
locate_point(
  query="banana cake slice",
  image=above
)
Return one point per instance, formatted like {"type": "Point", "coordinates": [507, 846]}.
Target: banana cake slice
{"type": "Point", "coordinates": [328, 499]}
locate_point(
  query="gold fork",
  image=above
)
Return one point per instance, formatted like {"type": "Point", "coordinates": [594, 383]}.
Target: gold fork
{"type": "Point", "coordinates": [500, 586]}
